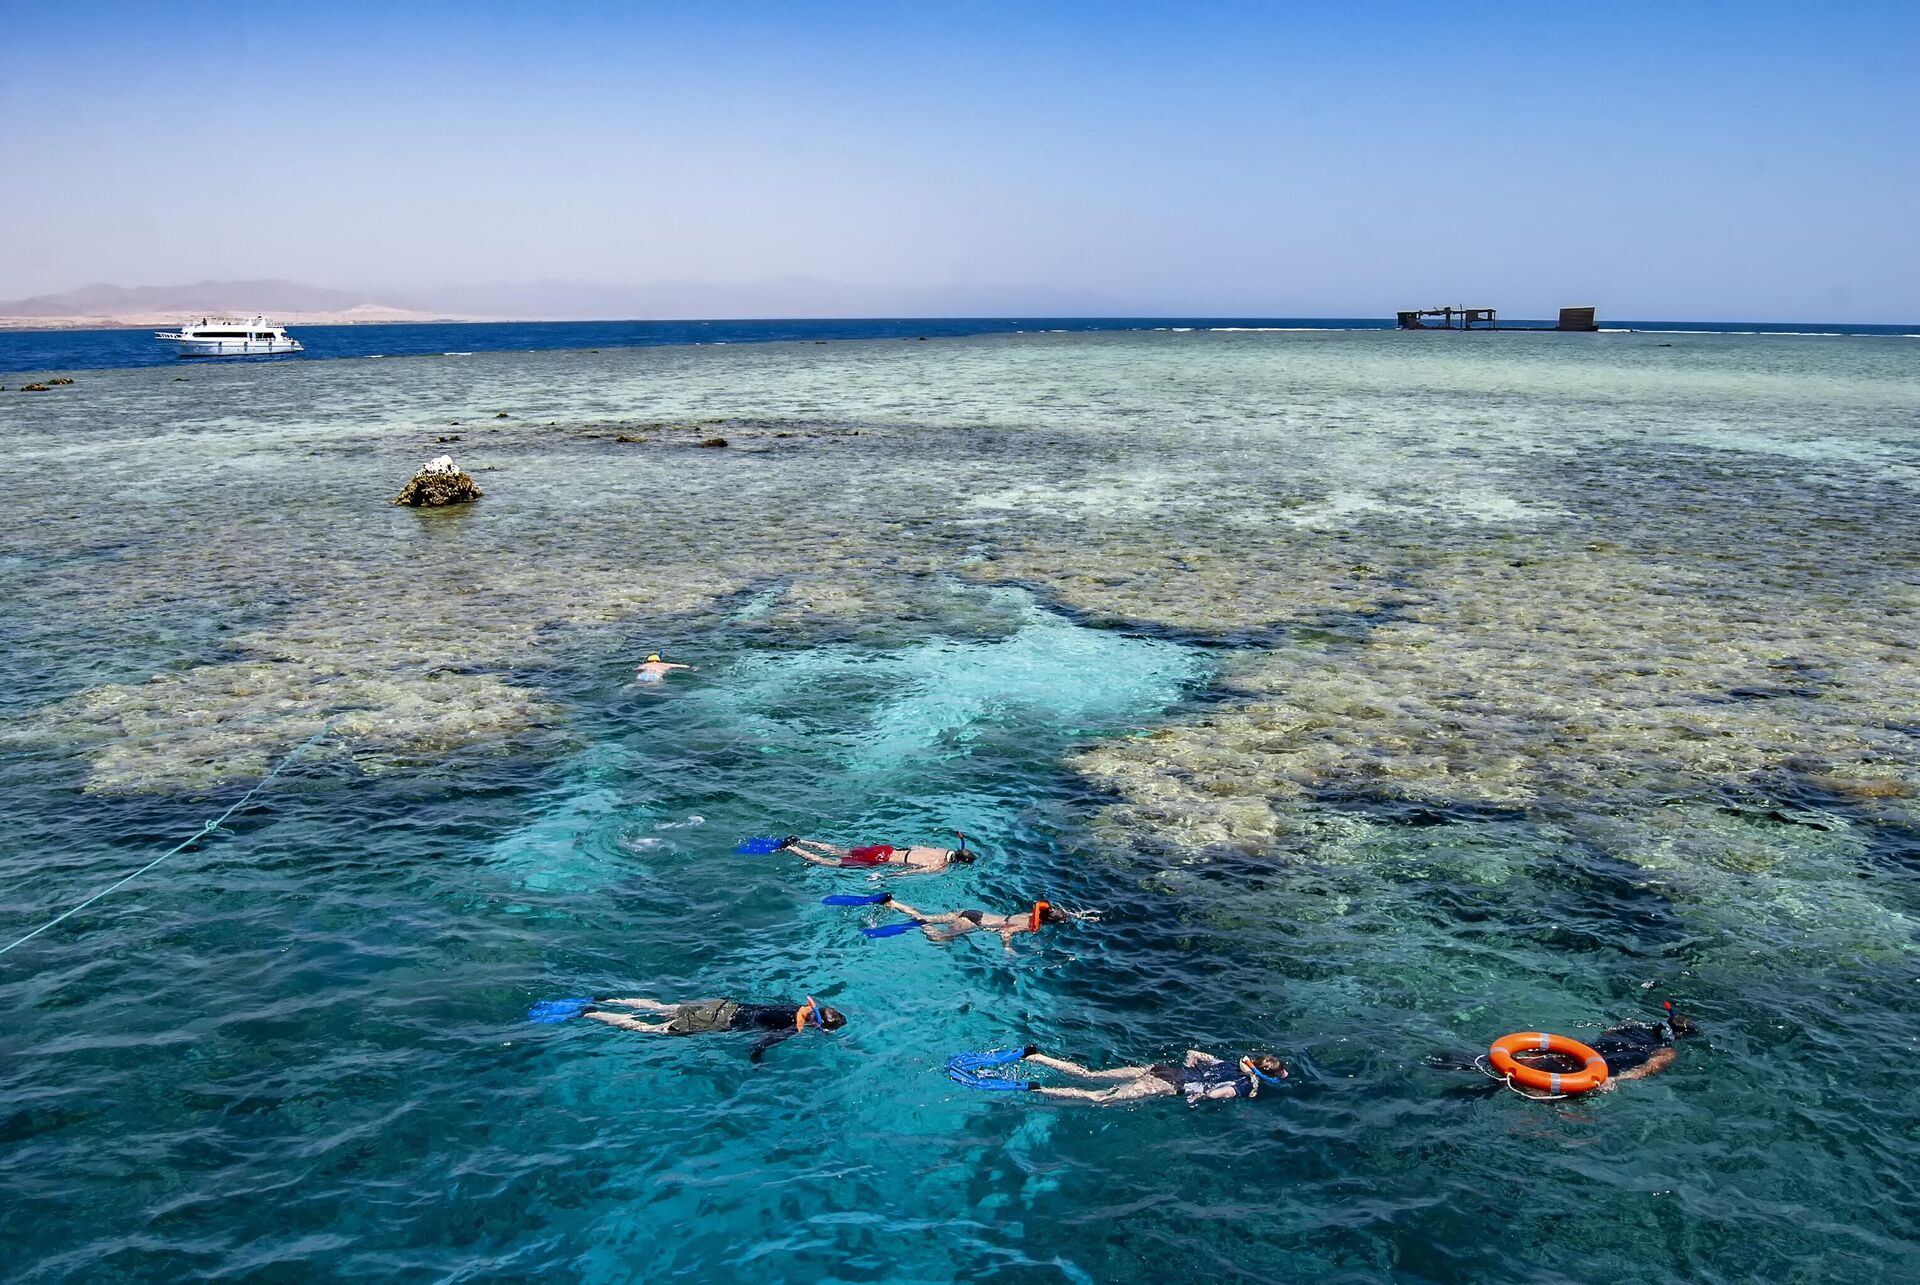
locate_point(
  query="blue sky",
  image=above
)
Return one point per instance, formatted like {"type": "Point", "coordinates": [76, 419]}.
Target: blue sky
{"type": "Point", "coordinates": [1704, 161]}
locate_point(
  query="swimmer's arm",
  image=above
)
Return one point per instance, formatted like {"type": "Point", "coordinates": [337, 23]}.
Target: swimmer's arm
{"type": "Point", "coordinates": [759, 1050]}
{"type": "Point", "coordinates": [813, 857]}
{"type": "Point", "coordinates": [667, 664]}
{"type": "Point", "coordinates": [1197, 1058]}
{"type": "Point", "coordinates": [1659, 1062]}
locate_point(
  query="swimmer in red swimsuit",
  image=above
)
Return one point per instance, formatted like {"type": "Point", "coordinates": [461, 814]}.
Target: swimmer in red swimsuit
{"type": "Point", "coordinates": [880, 857]}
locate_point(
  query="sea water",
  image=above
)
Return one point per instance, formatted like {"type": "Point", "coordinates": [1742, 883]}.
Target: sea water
{"type": "Point", "coordinates": [1383, 693]}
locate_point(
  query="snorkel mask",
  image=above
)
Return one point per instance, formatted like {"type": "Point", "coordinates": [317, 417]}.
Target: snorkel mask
{"type": "Point", "coordinates": [1246, 1064]}
{"type": "Point", "coordinates": [1673, 1026]}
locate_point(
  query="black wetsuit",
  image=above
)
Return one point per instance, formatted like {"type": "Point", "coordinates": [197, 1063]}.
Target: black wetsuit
{"type": "Point", "coordinates": [1632, 1044]}
{"type": "Point", "coordinates": [1197, 1080]}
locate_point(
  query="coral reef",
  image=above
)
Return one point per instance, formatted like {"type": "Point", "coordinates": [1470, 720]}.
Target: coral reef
{"type": "Point", "coordinates": [439, 482]}
{"type": "Point", "coordinates": [1515, 584]}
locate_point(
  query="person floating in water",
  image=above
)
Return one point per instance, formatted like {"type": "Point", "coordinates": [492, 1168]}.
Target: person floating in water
{"type": "Point", "coordinates": [881, 857]}
{"type": "Point", "coordinates": [1200, 1077]}
{"type": "Point", "coordinates": [1632, 1050]}
{"type": "Point", "coordinates": [953, 925]}
{"type": "Point", "coordinates": [706, 1016]}
{"type": "Point", "coordinates": [655, 670]}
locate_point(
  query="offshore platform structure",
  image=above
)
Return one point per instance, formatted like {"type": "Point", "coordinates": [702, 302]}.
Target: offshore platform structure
{"type": "Point", "coordinates": [1488, 319]}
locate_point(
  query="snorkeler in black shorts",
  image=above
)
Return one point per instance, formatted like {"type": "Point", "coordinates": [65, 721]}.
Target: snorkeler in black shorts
{"type": "Point", "coordinates": [703, 1017]}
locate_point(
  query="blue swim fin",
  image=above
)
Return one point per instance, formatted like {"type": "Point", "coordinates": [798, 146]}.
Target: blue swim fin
{"type": "Point", "coordinates": [976, 1061]}
{"type": "Point", "coordinates": [847, 899]}
{"type": "Point", "coordinates": [892, 930]}
{"type": "Point", "coordinates": [975, 1071]}
{"type": "Point", "coordinates": [759, 847]}
{"type": "Point", "coordinates": [550, 1011]}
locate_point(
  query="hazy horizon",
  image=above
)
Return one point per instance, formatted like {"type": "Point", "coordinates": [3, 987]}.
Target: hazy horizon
{"type": "Point", "coordinates": [1753, 164]}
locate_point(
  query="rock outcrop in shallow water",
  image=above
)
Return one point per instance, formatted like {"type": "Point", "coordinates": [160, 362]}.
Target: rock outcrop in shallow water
{"type": "Point", "coordinates": [438, 483]}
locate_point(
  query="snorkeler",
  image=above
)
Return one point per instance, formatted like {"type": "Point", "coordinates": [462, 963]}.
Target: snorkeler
{"type": "Point", "coordinates": [655, 670]}
{"type": "Point", "coordinates": [1632, 1051]}
{"type": "Point", "coordinates": [953, 925]}
{"type": "Point", "coordinates": [1200, 1077]}
{"type": "Point", "coordinates": [881, 856]}
{"type": "Point", "coordinates": [702, 1017]}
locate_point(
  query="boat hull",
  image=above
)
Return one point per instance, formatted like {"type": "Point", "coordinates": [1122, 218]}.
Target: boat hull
{"type": "Point", "coordinates": [234, 347]}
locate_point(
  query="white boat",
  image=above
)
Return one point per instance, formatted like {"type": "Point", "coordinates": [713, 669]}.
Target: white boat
{"type": "Point", "coordinates": [227, 337]}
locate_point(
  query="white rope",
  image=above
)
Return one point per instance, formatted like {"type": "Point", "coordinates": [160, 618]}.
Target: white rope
{"type": "Point", "coordinates": [184, 844]}
{"type": "Point", "coordinates": [1531, 1095]}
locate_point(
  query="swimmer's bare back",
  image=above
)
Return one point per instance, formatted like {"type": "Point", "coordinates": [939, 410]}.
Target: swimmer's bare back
{"type": "Point", "coordinates": [918, 860]}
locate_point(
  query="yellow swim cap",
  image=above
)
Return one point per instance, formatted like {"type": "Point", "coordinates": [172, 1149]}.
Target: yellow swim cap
{"type": "Point", "coordinates": [653, 658]}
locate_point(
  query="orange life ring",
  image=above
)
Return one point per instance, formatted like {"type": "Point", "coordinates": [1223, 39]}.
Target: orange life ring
{"type": "Point", "coordinates": [1588, 1078]}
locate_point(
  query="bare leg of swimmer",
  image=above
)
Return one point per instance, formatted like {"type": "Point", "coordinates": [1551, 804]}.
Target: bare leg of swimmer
{"type": "Point", "coordinates": [626, 1023]}
{"type": "Point", "coordinates": [1131, 1092]}
{"type": "Point", "coordinates": [826, 848]}
{"type": "Point", "coordinates": [1074, 1068]}
{"type": "Point", "coordinates": [651, 1005]}
{"type": "Point", "coordinates": [939, 929]}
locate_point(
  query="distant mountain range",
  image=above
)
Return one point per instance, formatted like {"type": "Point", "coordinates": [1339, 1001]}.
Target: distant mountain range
{"type": "Point", "coordinates": [205, 296]}
{"type": "Point", "coordinates": [783, 296]}
{"type": "Point", "coordinates": [789, 296]}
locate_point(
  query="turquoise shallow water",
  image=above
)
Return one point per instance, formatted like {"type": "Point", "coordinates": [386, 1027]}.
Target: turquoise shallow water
{"type": "Point", "coordinates": [1385, 695]}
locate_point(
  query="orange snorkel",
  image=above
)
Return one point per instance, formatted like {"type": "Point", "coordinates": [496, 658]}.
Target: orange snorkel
{"type": "Point", "coordinates": [1039, 908]}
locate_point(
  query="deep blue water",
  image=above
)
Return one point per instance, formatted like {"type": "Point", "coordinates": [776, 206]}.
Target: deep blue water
{"type": "Point", "coordinates": [57, 350]}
